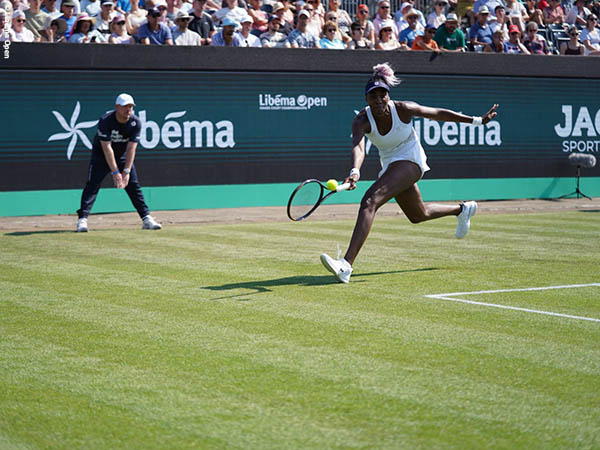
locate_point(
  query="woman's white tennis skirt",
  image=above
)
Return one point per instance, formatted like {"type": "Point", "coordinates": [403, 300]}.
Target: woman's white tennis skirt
{"type": "Point", "coordinates": [409, 151]}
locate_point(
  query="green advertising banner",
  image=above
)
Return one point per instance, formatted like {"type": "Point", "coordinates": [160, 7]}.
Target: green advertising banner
{"type": "Point", "coordinates": [250, 128]}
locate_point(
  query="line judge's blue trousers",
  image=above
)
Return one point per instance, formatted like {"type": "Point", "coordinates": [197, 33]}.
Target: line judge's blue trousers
{"type": "Point", "coordinates": [96, 173]}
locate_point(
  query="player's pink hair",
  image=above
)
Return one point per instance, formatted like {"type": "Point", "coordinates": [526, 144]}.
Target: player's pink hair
{"type": "Point", "coordinates": [385, 73]}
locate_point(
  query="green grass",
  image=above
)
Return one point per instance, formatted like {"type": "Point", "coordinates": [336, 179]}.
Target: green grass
{"type": "Point", "coordinates": [234, 336]}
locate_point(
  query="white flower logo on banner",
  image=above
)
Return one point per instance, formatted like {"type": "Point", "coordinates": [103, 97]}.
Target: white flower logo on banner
{"type": "Point", "coordinates": [368, 143]}
{"type": "Point", "coordinates": [73, 130]}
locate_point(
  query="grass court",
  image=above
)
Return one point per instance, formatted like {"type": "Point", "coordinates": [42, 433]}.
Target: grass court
{"type": "Point", "coordinates": [233, 336]}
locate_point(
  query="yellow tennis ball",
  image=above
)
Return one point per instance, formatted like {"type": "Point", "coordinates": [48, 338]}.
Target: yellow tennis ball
{"type": "Point", "coordinates": [332, 184]}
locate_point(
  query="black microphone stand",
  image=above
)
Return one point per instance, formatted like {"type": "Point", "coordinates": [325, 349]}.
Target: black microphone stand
{"type": "Point", "coordinates": [577, 190]}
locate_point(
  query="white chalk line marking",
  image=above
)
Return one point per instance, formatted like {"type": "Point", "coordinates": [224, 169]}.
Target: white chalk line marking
{"type": "Point", "coordinates": [451, 296]}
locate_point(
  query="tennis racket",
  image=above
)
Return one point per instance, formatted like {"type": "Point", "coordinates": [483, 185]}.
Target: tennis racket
{"type": "Point", "coordinates": [307, 197]}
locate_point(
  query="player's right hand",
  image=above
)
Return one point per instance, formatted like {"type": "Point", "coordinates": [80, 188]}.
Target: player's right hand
{"type": "Point", "coordinates": [352, 182]}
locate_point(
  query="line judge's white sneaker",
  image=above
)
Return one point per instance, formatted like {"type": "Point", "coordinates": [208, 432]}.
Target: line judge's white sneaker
{"type": "Point", "coordinates": [340, 268]}
{"type": "Point", "coordinates": [464, 219]}
{"type": "Point", "coordinates": [82, 226]}
{"type": "Point", "coordinates": [148, 223]}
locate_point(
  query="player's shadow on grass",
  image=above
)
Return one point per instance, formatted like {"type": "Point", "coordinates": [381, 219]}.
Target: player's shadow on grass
{"type": "Point", "coordinates": [28, 233]}
{"type": "Point", "coordinates": [260, 286]}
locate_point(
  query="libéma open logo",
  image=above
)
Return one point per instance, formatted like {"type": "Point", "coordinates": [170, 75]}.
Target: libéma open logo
{"type": "Point", "coordinates": [279, 102]}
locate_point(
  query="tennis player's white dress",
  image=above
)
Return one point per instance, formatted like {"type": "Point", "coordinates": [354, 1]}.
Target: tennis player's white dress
{"type": "Point", "coordinates": [400, 143]}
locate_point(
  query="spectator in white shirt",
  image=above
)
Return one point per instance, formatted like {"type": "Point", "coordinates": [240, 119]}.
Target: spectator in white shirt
{"type": "Point", "coordinates": [437, 18]}
{"type": "Point", "coordinates": [230, 9]}
{"type": "Point", "coordinates": [19, 32]}
{"type": "Point", "coordinates": [590, 36]}
{"type": "Point", "coordinates": [181, 34]}
{"type": "Point", "coordinates": [243, 37]}
{"type": "Point", "coordinates": [119, 33]}
{"type": "Point", "coordinates": [577, 13]}
{"type": "Point", "coordinates": [92, 7]}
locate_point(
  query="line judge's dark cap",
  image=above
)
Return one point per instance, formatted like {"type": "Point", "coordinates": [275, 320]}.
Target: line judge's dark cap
{"type": "Point", "coordinates": [374, 84]}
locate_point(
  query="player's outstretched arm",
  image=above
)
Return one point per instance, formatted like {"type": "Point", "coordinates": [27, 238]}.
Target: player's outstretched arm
{"type": "Point", "coordinates": [447, 115]}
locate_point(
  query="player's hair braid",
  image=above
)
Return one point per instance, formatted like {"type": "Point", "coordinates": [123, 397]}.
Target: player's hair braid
{"type": "Point", "coordinates": [385, 73]}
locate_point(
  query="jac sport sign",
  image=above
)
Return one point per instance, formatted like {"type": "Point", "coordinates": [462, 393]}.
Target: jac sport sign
{"type": "Point", "coordinates": [240, 128]}
{"type": "Point", "coordinates": [580, 129]}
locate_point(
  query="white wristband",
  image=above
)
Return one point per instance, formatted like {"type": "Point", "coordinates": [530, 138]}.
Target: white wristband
{"type": "Point", "coordinates": [477, 120]}
{"type": "Point", "coordinates": [356, 172]}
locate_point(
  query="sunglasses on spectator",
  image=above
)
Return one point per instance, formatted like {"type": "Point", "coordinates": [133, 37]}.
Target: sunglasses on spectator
{"type": "Point", "coordinates": [384, 7]}
{"type": "Point", "coordinates": [516, 34]}
{"type": "Point", "coordinates": [387, 30]}
{"type": "Point", "coordinates": [331, 30]}
{"type": "Point", "coordinates": [574, 34]}
{"type": "Point", "coordinates": [308, 9]}
{"type": "Point", "coordinates": [20, 21]}
{"type": "Point", "coordinates": [120, 23]}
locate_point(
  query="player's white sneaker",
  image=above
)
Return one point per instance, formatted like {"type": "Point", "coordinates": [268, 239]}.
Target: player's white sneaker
{"type": "Point", "coordinates": [340, 268]}
{"type": "Point", "coordinates": [148, 223]}
{"type": "Point", "coordinates": [82, 226]}
{"type": "Point", "coordinates": [464, 219]}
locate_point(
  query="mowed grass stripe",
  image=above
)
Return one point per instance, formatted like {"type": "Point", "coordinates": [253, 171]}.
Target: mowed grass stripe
{"type": "Point", "coordinates": [316, 319]}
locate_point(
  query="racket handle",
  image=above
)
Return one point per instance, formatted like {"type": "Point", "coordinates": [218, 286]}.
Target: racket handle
{"type": "Point", "coordinates": [343, 187]}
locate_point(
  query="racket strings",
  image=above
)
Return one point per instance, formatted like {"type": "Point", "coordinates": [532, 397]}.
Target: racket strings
{"type": "Point", "coordinates": [305, 200]}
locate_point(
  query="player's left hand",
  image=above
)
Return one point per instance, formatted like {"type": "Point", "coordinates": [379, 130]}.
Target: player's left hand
{"type": "Point", "coordinates": [125, 178]}
{"type": "Point", "coordinates": [490, 114]}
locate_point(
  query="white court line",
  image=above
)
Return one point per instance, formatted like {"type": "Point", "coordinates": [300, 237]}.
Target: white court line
{"type": "Point", "coordinates": [451, 297]}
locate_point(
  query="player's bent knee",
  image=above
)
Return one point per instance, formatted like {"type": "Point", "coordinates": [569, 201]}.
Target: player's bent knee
{"type": "Point", "coordinates": [416, 218]}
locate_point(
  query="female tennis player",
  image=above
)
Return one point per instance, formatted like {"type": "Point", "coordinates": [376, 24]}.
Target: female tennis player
{"type": "Point", "coordinates": [388, 124]}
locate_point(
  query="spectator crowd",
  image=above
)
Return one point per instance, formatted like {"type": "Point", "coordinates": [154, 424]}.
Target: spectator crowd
{"type": "Point", "coordinates": [492, 26]}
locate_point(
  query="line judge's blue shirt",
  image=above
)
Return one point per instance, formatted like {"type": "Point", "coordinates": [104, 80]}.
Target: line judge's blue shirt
{"type": "Point", "coordinates": [117, 133]}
